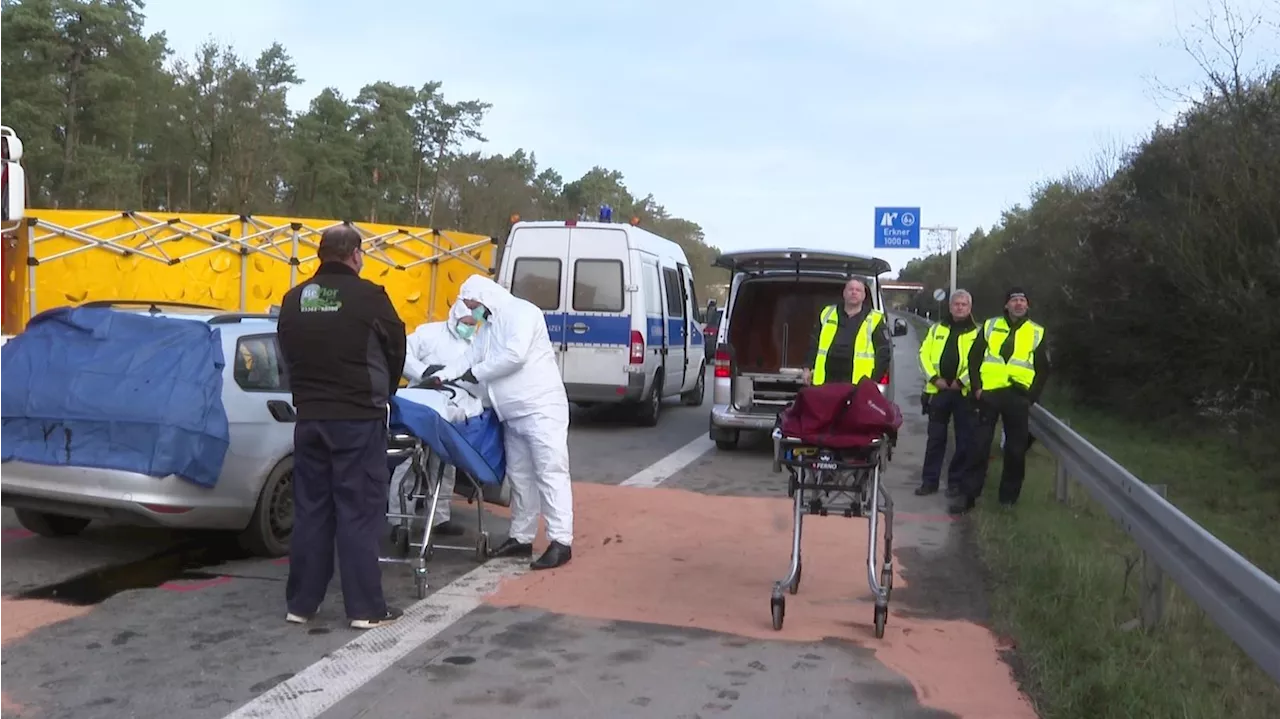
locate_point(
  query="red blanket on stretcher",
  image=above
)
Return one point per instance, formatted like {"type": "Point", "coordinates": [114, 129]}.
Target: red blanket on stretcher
{"type": "Point", "coordinates": [841, 415]}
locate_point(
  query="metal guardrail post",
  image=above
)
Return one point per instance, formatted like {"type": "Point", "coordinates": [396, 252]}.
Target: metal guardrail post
{"type": "Point", "coordinates": [1153, 580]}
{"type": "Point", "coordinates": [1060, 488]}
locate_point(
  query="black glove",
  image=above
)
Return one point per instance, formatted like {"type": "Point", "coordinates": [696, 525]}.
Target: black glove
{"type": "Point", "coordinates": [431, 383]}
{"type": "Point", "coordinates": [432, 370]}
{"type": "Point", "coordinates": [468, 377]}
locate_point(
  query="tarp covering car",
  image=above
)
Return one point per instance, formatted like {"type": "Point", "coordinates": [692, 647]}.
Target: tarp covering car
{"type": "Point", "coordinates": [95, 387]}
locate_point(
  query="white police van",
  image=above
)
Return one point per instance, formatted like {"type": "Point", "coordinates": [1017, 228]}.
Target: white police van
{"type": "Point", "coordinates": [621, 310]}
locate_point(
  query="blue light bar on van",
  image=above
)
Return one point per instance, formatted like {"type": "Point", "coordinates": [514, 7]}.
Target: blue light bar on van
{"type": "Point", "coordinates": [606, 213]}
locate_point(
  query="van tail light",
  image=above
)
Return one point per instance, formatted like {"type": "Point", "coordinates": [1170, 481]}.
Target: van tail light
{"type": "Point", "coordinates": [885, 379]}
{"type": "Point", "coordinates": [637, 347]}
{"type": "Point", "coordinates": [722, 364]}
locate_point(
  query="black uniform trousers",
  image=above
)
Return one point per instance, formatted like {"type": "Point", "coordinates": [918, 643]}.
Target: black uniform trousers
{"type": "Point", "coordinates": [946, 407]}
{"type": "Point", "coordinates": [1014, 410]}
{"type": "Point", "coordinates": [340, 485]}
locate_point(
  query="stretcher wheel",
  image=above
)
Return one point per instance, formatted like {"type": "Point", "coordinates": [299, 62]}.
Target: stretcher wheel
{"type": "Point", "coordinates": [882, 616]}
{"type": "Point", "coordinates": [482, 548]}
{"type": "Point", "coordinates": [795, 584]}
{"type": "Point", "coordinates": [778, 606]}
{"type": "Point", "coordinates": [420, 584]}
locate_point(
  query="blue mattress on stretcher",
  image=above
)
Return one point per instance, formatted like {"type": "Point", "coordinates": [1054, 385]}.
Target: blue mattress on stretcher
{"type": "Point", "coordinates": [473, 445]}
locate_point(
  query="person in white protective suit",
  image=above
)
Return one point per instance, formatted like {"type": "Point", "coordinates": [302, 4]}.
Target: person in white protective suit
{"type": "Point", "coordinates": [512, 357]}
{"type": "Point", "coordinates": [431, 347]}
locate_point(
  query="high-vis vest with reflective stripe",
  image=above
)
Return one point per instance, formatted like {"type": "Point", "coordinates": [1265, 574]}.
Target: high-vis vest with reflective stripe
{"type": "Point", "coordinates": [1021, 367]}
{"type": "Point", "coordinates": [931, 355]}
{"type": "Point", "coordinates": [864, 352]}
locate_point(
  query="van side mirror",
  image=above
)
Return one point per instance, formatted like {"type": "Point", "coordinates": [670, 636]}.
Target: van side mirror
{"type": "Point", "coordinates": [899, 328]}
{"type": "Point", "coordinates": [13, 192]}
{"type": "Point", "coordinates": [13, 187]}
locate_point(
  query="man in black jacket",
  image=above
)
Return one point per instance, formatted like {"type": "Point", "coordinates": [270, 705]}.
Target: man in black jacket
{"type": "Point", "coordinates": [344, 346]}
{"type": "Point", "coordinates": [1008, 369]}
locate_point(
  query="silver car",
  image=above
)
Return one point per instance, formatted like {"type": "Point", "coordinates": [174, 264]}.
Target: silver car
{"type": "Point", "coordinates": [253, 495]}
{"type": "Point", "coordinates": [775, 296]}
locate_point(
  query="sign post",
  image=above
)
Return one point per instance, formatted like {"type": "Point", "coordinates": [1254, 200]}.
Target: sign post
{"type": "Point", "coordinates": [955, 242]}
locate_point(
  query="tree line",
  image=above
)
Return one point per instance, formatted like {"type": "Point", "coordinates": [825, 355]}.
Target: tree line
{"type": "Point", "coordinates": [110, 119]}
{"type": "Point", "coordinates": [1157, 274]}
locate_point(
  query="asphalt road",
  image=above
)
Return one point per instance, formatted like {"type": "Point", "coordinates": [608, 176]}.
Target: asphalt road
{"type": "Point", "coordinates": [662, 613]}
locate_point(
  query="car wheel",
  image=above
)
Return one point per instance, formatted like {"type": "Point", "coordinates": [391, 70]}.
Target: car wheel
{"type": "Point", "coordinates": [694, 397]}
{"type": "Point", "coordinates": [271, 527]}
{"type": "Point", "coordinates": [51, 525]}
{"type": "Point", "coordinates": [651, 407]}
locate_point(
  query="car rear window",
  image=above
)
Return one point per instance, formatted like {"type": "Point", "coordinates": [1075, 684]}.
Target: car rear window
{"type": "Point", "coordinates": [537, 280]}
{"type": "Point", "coordinates": [597, 286]}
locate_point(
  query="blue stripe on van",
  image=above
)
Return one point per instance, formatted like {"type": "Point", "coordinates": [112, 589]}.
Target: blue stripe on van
{"type": "Point", "coordinates": [654, 331]}
{"type": "Point", "coordinates": [609, 330]}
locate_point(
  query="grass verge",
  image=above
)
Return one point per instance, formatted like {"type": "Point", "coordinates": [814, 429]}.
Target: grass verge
{"type": "Point", "coordinates": [1064, 580]}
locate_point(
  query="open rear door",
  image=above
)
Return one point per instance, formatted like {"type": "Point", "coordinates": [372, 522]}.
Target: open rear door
{"type": "Point", "coordinates": [799, 259]}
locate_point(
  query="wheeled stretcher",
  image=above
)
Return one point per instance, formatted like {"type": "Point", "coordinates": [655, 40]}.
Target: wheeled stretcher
{"type": "Point", "coordinates": [418, 434]}
{"type": "Point", "coordinates": [834, 442]}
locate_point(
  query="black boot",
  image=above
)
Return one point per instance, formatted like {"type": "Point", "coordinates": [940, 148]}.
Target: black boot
{"type": "Point", "coordinates": [924, 491]}
{"type": "Point", "coordinates": [962, 505]}
{"type": "Point", "coordinates": [513, 548]}
{"type": "Point", "coordinates": [556, 555]}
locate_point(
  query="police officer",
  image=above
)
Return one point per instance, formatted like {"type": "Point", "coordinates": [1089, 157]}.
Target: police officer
{"type": "Point", "coordinates": [851, 341]}
{"type": "Point", "coordinates": [344, 346]}
{"type": "Point", "coordinates": [944, 358]}
{"type": "Point", "coordinates": [1012, 358]}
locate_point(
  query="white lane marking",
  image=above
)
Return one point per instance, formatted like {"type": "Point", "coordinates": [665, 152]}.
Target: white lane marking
{"type": "Point", "coordinates": [319, 687]}
{"type": "Point", "coordinates": [660, 471]}
{"type": "Point", "coordinates": [323, 684]}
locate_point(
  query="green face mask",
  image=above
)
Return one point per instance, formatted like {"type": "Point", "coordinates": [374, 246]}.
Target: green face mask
{"type": "Point", "coordinates": [465, 331]}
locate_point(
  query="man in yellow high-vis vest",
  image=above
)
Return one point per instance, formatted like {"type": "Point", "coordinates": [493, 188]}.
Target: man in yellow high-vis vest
{"type": "Point", "coordinates": [944, 360]}
{"type": "Point", "coordinates": [851, 340]}
{"type": "Point", "coordinates": [1008, 368]}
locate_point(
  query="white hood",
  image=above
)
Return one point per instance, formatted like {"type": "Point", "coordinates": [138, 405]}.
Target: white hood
{"type": "Point", "coordinates": [479, 288]}
{"type": "Point", "coordinates": [456, 313]}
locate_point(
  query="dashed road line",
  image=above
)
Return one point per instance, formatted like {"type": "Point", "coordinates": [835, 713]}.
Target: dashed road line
{"type": "Point", "coordinates": [322, 685]}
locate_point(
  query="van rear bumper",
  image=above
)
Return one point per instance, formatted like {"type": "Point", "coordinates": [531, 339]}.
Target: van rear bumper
{"type": "Point", "coordinates": [724, 416]}
{"type": "Point", "coordinates": [606, 393]}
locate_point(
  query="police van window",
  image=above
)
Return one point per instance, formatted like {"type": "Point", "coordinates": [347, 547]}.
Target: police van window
{"type": "Point", "coordinates": [597, 286]}
{"type": "Point", "coordinates": [258, 367]}
{"type": "Point", "coordinates": [538, 281]}
{"type": "Point", "coordinates": [652, 291]}
{"type": "Point", "coordinates": [675, 302]}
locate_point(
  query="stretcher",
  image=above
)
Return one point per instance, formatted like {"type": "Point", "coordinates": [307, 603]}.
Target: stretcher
{"type": "Point", "coordinates": [418, 434]}
{"type": "Point", "coordinates": [834, 442]}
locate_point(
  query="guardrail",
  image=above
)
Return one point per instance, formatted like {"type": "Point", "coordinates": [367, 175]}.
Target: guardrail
{"type": "Point", "coordinates": [1242, 599]}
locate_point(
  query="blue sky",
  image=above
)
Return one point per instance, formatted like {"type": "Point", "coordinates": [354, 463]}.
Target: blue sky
{"type": "Point", "coordinates": [768, 123]}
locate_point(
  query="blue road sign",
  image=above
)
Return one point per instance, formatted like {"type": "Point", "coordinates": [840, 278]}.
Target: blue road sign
{"type": "Point", "coordinates": [898, 228]}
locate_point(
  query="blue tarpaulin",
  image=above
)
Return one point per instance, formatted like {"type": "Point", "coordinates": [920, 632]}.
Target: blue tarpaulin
{"type": "Point", "coordinates": [93, 387]}
{"type": "Point", "coordinates": [473, 445]}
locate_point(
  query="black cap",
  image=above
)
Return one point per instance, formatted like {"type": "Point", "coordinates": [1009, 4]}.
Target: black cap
{"type": "Point", "coordinates": [338, 243]}
{"type": "Point", "coordinates": [1015, 292]}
